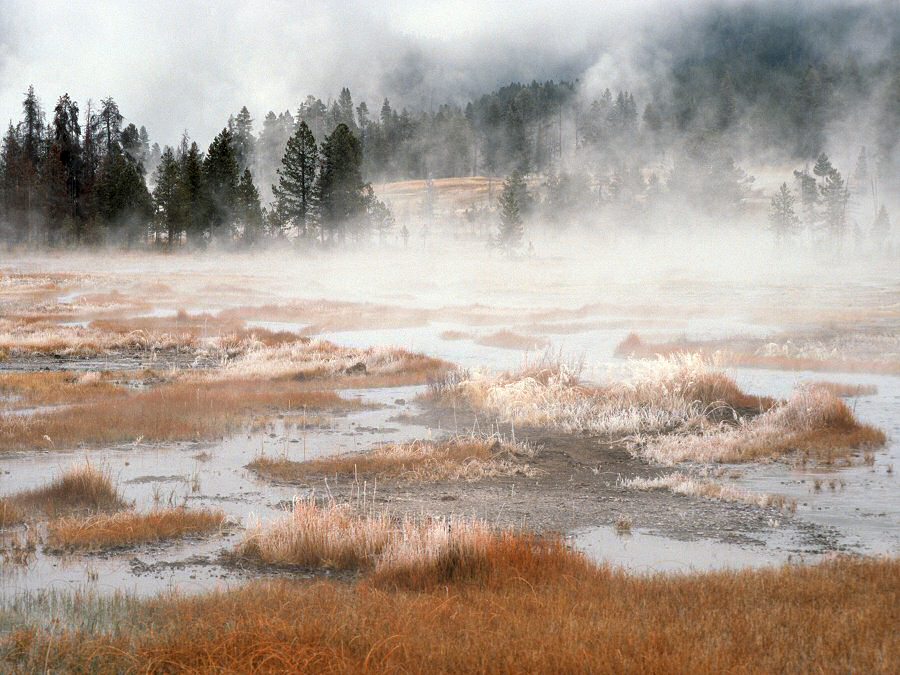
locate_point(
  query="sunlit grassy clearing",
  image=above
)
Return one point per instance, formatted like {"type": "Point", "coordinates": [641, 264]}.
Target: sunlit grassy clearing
{"type": "Point", "coordinates": [128, 528]}
{"type": "Point", "coordinates": [460, 458]}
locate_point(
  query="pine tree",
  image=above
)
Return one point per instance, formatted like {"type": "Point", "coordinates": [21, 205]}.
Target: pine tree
{"type": "Point", "coordinates": [822, 166]}
{"type": "Point", "coordinates": [340, 190]}
{"type": "Point", "coordinates": [249, 210]}
{"type": "Point", "coordinates": [294, 194]}
{"type": "Point", "coordinates": [220, 178]}
{"type": "Point", "coordinates": [133, 147]}
{"type": "Point", "coordinates": [834, 200]}
{"type": "Point", "coordinates": [727, 108]}
{"type": "Point", "coordinates": [881, 227]}
{"type": "Point", "coordinates": [809, 197]}
{"type": "Point", "coordinates": [345, 110]}
{"type": "Point", "coordinates": [168, 198]}
{"type": "Point", "coordinates": [123, 203]}
{"type": "Point", "coordinates": [511, 231]}
{"type": "Point", "coordinates": [192, 187]}
{"type": "Point", "coordinates": [244, 141]}
{"type": "Point", "coordinates": [32, 128]}
{"type": "Point", "coordinates": [64, 178]}
{"type": "Point", "coordinates": [111, 125]}
{"type": "Point", "coordinates": [783, 220]}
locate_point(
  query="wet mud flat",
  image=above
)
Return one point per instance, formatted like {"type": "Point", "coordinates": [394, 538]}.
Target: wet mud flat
{"type": "Point", "coordinates": [575, 490]}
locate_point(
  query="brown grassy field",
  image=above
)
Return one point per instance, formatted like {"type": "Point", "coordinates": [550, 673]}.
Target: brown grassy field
{"type": "Point", "coordinates": [83, 488]}
{"type": "Point", "coordinates": [467, 458]}
{"type": "Point", "coordinates": [172, 411]}
{"type": "Point", "coordinates": [514, 604]}
{"type": "Point", "coordinates": [127, 528]}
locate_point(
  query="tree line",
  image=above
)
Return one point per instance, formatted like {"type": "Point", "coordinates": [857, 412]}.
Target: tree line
{"type": "Point", "coordinates": [84, 179]}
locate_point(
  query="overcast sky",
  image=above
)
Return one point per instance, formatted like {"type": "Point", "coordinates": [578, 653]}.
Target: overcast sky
{"type": "Point", "coordinates": [181, 64]}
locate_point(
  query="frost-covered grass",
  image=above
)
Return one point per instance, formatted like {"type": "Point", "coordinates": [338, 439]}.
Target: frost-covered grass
{"type": "Point", "coordinates": [322, 360]}
{"type": "Point", "coordinates": [670, 409]}
{"type": "Point", "coordinates": [695, 486]}
{"type": "Point", "coordinates": [813, 422]}
{"type": "Point", "coordinates": [467, 458]}
{"type": "Point", "coordinates": [658, 396]}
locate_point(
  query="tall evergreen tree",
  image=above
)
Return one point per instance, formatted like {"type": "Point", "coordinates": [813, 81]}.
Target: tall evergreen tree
{"type": "Point", "coordinates": [249, 209]}
{"type": "Point", "coordinates": [220, 176]}
{"type": "Point", "coordinates": [783, 220]}
{"type": "Point", "coordinates": [244, 141]}
{"type": "Point", "coordinates": [168, 198]}
{"type": "Point", "coordinates": [512, 230]}
{"type": "Point", "coordinates": [834, 201]}
{"type": "Point", "coordinates": [110, 120]}
{"type": "Point", "coordinates": [294, 194]}
{"type": "Point", "coordinates": [123, 203]}
{"type": "Point", "coordinates": [340, 190]}
{"type": "Point", "coordinates": [193, 190]}
{"type": "Point", "coordinates": [881, 227]}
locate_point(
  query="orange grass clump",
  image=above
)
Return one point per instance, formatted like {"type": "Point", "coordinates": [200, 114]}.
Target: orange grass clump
{"type": "Point", "coordinates": [81, 488]}
{"type": "Point", "coordinates": [317, 535]}
{"type": "Point", "coordinates": [458, 458]}
{"type": "Point", "coordinates": [127, 528]}
{"type": "Point", "coordinates": [10, 513]}
{"type": "Point", "coordinates": [543, 610]}
{"type": "Point", "coordinates": [172, 411]}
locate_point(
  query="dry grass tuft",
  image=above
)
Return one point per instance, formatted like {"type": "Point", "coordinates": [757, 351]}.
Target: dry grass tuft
{"type": "Point", "coordinates": [466, 458]}
{"type": "Point", "coordinates": [106, 531]}
{"type": "Point", "coordinates": [813, 422]}
{"type": "Point", "coordinates": [808, 354]}
{"type": "Point", "coordinates": [544, 611]}
{"type": "Point", "coordinates": [684, 484]}
{"type": "Point", "coordinates": [315, 535]}
{"type": "Point", "coordinates": [435, 553]}
{"type": "Point", "coordinates": [658, 396]}
{"type": "Point", "coordinates": [82, 488]}
{"type": "Point", "coordinates": [456, 335]}
{"type": "Point", "coordinates": [673, 409]}
{"type": "Point", "coordinates": [846, 390]}
{"type": "Point", "coordinates": [321, 360]}
{"type": "Point", "coordinates": [10, 513]}
{"type": "Point", "coordinates": [413, 553]}
{"type": "Point", "coordinates": [506, 339]}
{"type": "Point", "coordinates": [47, 388]}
